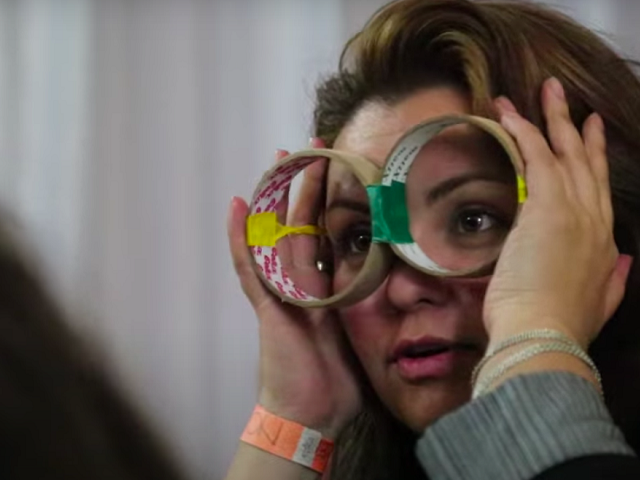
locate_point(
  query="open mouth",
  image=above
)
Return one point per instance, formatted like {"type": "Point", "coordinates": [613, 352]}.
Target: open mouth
{"type": "Point", "coordinates": [419, 350]}
{"type": "Point", "coordinates": [424, 359]}
{"type": "Point", "coordinates": [425, 351]}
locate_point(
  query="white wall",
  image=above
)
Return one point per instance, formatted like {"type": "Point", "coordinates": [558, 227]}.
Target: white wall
{"type": "Point", "coordinates": [125, 128]}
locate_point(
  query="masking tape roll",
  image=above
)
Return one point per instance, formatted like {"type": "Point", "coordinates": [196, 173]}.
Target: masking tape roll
{"type": "Point", "coordinates": [389, 216]}
{"type": "Point", "coordinates": [263, 231]}
{"type": "Point", "coordinates": [391, 219]}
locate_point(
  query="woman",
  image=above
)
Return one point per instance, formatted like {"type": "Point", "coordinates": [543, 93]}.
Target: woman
{"type": "Point", "coordinates": [543, 77]}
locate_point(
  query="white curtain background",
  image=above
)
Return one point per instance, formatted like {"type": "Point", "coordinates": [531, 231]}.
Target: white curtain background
{"type": "Point", "coordinates": [125, 128]}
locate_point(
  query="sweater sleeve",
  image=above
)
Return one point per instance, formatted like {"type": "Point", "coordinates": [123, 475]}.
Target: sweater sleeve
{"type": "Point", "coordinates": [528, 425]}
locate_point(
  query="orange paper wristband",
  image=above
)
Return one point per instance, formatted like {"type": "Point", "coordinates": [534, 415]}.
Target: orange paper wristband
{"type": "Point", "coordinates": [287, 439]}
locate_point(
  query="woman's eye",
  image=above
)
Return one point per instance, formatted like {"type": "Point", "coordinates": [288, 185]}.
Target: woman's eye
{"type": "Point", "coordinates": [360, 242]}
{"type": "Point", "coordinates": [354, 240]}
{"type": "Point", "coordinates": [475, 221]}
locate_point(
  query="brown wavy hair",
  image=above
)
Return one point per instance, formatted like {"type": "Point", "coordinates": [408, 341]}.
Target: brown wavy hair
{"type": "Point", "coordinates": [488, 49]}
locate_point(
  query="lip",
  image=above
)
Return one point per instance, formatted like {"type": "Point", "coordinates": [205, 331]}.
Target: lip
{"type": "Point", "coordinates": [457, 355]}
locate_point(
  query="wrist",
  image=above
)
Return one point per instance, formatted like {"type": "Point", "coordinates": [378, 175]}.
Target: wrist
{"type": "Point", "coordinates": [500, 329]}
{"type": "Point", "coordinates": [530, 351]}
{"type": "Point", "coordinates": [251, 462]}
{"type": "Point", "coordinates": [321, 419]}
{"type": "Point", "coordinates": [544, 362]}
{"type": "Point", "coordinates": [287, 439]}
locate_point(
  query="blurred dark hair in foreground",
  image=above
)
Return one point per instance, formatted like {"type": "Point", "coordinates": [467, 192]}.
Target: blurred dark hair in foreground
{"type": "Point", "coordinates": [61, 417]}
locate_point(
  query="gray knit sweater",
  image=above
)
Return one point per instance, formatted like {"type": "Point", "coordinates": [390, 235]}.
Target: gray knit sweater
{"type": "Point", "coordinates": [524, 427]}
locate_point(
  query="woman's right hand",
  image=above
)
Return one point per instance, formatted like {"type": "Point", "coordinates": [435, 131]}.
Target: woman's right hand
{"type": "Point", "coordinates": [305, 375]}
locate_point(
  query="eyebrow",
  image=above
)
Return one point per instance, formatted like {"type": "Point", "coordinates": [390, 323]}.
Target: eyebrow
{"type": "Point", "coordinates": [349, 205]}
{"type": "Point", "coordinates": [445, 187]}
{"type": "Point", "coordinates": [435, 194]}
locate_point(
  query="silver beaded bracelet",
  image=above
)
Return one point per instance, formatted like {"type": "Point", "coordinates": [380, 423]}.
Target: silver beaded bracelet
{"type": "Point", "coordinates": [528, 353]}
{"type": "Point", "coordinates": [538, 334]}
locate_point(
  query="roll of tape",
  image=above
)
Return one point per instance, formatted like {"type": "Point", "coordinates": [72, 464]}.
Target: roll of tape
{"type": "Point", "coordinates": [263, 231]}
{"type": "Point", "coordinates": [389, 216]}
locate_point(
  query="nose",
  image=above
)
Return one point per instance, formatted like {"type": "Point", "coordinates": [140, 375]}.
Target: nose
{"type": "Point", "coordinates": [409, 289]}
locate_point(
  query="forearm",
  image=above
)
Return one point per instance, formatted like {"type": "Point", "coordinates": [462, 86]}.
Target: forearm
{"type": "Point", "coordinates": [527, 426]}
{"type": "Point", "coordinates": [250, 463]}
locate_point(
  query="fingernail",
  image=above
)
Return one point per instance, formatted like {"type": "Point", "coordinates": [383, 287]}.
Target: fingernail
{"type": "Point", "coordinates": [597, 121]}
{"type": "Point", "coordinates": [556, 88]}
{"type": "Point", "coordinates": [507, 119]}
{"type": "Point", "coordinates": [280, 152]}
{"type": "Point", "coordinates": [505, 105]}
{"type": "Point", "coordinates": [231, 207]}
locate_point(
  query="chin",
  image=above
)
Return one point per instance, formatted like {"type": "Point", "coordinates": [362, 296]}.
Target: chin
{"type": "Point", "coordinates": [418, 406]}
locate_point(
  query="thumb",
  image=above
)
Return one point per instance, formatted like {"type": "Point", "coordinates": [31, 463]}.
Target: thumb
{"type": "Point", "coordinates": [242, 261]}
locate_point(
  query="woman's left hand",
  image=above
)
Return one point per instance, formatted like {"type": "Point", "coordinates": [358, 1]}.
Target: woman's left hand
{"type": "Point", "coordinates": [560, 267]}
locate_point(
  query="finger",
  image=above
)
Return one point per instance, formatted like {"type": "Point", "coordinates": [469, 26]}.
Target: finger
{"type": "Point", "coordinates": [617, 285]}
{"type": "Point", "coordinates": [319, 143]}
{"type": "Point", "coordinates": [316, 142]}
{"type": "Point", "coordinates": [242, 261]}
{"type": "Point", "coordinates": [280, 154]}
{"type": "Point", "coordinates": [593, 133]}
{"type": "Point", "coordinates": [310, 198]}
{"type": "Point", "coordinates": [310, 201]}
{"type": "Point", "coordinates": [298, 253]}
{"type": "Point", "coordinates": [541, 167]}
{"type": "Point", "coordinates": [306, 211]}
{"type": "Point", "coordinates": [295, 217]}
{"type": "Point", "coordinates": [564, 138]}
{"type": "Point", "coordinates": [283, 205]}
{"type": "Point", "coordinates": [504, 105]}
{"type": "Point", "coordinates": [568, 145]}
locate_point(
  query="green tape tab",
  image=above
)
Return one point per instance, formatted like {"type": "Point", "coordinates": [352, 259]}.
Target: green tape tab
{"type": "Point", "coordinates": [389, 216]}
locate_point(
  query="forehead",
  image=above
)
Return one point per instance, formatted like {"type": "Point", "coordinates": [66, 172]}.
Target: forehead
{"type": "Point", "coordinates": [376, 127]}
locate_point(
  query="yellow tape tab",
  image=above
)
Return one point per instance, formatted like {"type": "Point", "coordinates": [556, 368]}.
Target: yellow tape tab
{"type": "Point", "coordinates": [283, 231]}
{"type": "Point", "coordinates": [263, 230]}
{"type": "Point", "coordinates": [522, 189]}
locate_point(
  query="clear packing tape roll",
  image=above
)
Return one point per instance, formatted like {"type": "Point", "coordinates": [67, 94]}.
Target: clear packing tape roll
{"type": "Point", "coordinates": [390, 220]}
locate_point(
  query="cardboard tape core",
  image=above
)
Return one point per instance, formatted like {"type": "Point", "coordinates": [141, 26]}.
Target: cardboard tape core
{"type": "Point", "coordinates": [391, 219]}
{"type": "Point", "coordinates": [263, 231]}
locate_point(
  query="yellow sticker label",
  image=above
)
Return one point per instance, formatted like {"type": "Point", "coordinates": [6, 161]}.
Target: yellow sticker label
{"type": "Point", "coordinates": [522, 189]}
{"type": "Point", "coordinates": [263, 230]}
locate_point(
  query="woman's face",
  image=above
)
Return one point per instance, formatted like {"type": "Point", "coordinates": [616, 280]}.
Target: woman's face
{"type": "Point", "coordinates": [418, 337]}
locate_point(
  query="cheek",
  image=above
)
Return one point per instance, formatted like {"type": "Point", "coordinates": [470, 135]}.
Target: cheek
{"type": "Point", "coordinates": [470, 296]}
{"type": "Point", "coordinates": [371, 335]}
{"type": "Point", "coordinates": [366, 329]}
{"type": "Point", "coordinates": [340, 280]}
{"type": "Point", "coordinates": [474, 289]}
